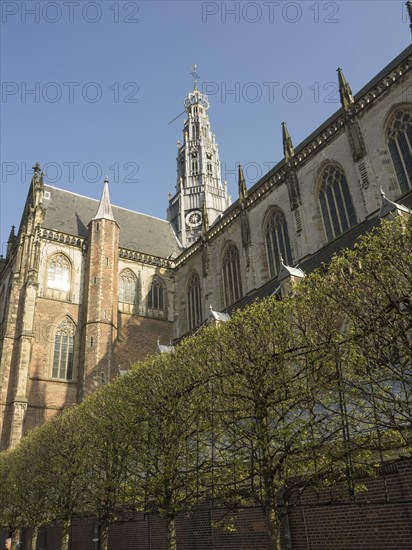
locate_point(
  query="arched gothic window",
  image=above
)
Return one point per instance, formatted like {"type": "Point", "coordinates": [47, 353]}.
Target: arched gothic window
{"type": "Point", "coordinates": [156, 296]}
{"type": "Point", "coordinates": [194, 302]}
{"type": "Point", "coordinates": [336, 203]}
{"type": "Point", "coordinates": [127, 291]}
{"type": "Point", "coordinates": [400, 146]}
{"type": "Point", "coordinates": [232, 282]}
{"type": "Point", "coordinates": [58, 277]}
{"type": "Point", "coordinates": [277, 241]}
{"type": "Point", "coordinates": [63, 352]}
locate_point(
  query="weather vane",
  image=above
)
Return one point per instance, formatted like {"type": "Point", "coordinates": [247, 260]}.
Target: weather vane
{"type": "Point", "coordinates": [195, 75]}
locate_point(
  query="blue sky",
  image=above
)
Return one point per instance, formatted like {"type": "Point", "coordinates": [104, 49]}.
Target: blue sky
{"type": "Point", "coordinates": [107, 77]}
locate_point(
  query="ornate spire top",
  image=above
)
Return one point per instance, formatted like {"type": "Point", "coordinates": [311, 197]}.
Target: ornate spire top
{"type": "Point", "coordinates": [105, 208]}
{"type": "Point", "coordinates": [346, 96]}
{"type": "Point", "coordinates": [409, 7]}
{"type": "Point", "coordinates": [242, 186]}
{"type": "Point", "coordinates": [36, 168]}
{"type": "Point", "coordinates": [288, 151]}
{"type": "Point", "coordinates": [195, 76]}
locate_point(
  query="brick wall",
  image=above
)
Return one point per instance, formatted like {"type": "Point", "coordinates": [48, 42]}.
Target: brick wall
{"type": "Point", "coordinates": [381, 519]}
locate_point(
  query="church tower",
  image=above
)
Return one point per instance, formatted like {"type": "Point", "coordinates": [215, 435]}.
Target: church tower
{"type": "Point", "coordinates": [99, 325]}
{"type": "Point", "coordinates": [199, 184]}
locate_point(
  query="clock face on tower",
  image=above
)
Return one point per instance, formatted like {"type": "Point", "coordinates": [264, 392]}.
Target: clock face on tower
{"type": "Point", "coordinates": [194, 218]}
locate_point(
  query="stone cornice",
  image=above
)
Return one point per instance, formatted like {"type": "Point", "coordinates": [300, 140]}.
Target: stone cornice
{"type": "Point", "coordinates": [124, 253]}
{"type": "Point", "coordinates": [64, 238]}
{"type": "Point", "coordinates": [136, 256]}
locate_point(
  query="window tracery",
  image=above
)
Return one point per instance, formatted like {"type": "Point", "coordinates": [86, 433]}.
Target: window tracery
{"type": "Point", "coordinates": [336, 203]}
{"type": "Point", "coordinates": [277, 241]}
{"type": "Point", "coordinates": [63, 351]}
{"type": "Point", "coordinates": [232, 282]}
{"type": "Point", "coordinates": [194, 302]}
{"type": "Point", "coordinates": [399, 136]}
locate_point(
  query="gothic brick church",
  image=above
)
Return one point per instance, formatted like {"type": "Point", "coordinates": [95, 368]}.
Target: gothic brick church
{"type": "Point", "coordinates": [89, 288]}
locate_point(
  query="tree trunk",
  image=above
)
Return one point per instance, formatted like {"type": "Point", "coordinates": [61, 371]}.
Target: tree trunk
{"type": "Point", "coordinates": [273, 526]}
{"type": "Point", "coordinates": [171, 532]}
{"type": "Point", "coordinates": [65, 535]}
{"type": "Point", "coordinates": [15, 538]}
{"type": "Point", "coordinates": [104, 536]}
{"type": "Point", "coordinates": [33, 540]}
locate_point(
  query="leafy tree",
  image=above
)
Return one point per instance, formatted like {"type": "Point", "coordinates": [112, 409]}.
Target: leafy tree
{"type": "Point", "coordinates": [169, 437]}
{"type": "Point", "coordinates": [271, 427]}
{"type": "Point", "coordinates": [104, 424]}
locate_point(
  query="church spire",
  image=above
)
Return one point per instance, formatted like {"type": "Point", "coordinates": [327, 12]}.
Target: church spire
{"type": "Point", "coordinates": [199, 178]}
{"type": "Point", "coordinates": [288, 150]}
{"type": "Point", "coordinates": [346, 96]}
{"type": "Point", "coordinates": [105, 208]}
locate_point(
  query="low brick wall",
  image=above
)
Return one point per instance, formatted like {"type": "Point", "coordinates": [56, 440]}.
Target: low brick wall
{"type": "Point", "coordinates": [381, 519]}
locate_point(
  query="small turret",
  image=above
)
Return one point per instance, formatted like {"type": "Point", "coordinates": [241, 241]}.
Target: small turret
{"type": "Point", "coordinates": [99, 327]}
{"type": "Point", "coordinates": [288, 151]}
{"type": "Point", "coordinates": [11, 243]}
{"type": "Point", "coordinates": [242, 186]}
{"type": "Point", "coordinates": [346, 96]}
{"type": "Point", "coordinates": [352, 124]}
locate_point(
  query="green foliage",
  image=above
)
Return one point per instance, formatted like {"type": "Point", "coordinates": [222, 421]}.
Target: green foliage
{"type": "Point", "coordinates": [309, 391]}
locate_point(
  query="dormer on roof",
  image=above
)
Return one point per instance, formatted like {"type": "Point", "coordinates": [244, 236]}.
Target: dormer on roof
{"type": "Point", "coordinates": [288, 276]}
{"type": "Point", "coordinates": [391, 209]}
{"type": "Point", "coordinates": [217, 317]}
{"type": "Point", "coordinates": [161, 348]}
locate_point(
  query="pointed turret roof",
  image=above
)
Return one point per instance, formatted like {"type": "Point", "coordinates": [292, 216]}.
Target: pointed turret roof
{"type": "Point", "coordinates": [12, 235]}
{"type": "Point", "coordinates": [346, 96]}
{"type": "Point", "coordinates": [105, 208]}
{"type": "Point", "coordinates": [288, 150]}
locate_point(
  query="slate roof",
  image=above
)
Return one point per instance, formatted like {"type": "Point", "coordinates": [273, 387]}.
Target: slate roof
{"type": "Point", "coordinates": [70, 213]}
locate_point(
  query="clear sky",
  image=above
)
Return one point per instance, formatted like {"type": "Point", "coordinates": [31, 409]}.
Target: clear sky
{"type": "Point", "coordinates": [88, 88]}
